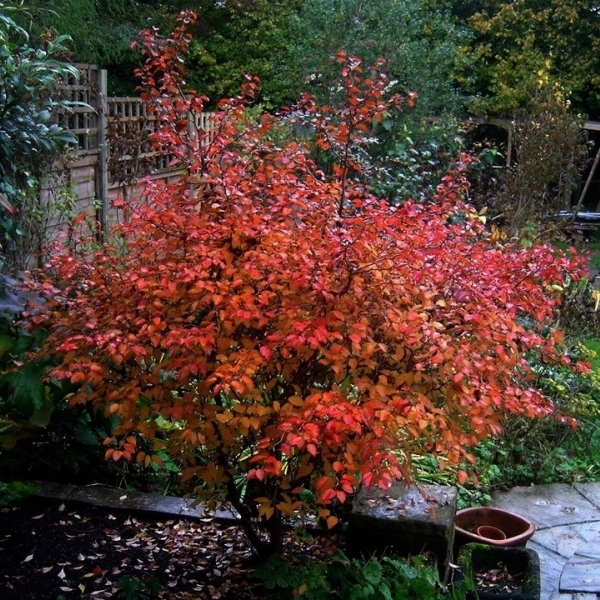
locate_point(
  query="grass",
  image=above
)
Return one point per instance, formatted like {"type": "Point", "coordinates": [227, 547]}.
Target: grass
{"type": "Point", "coordinates": [593, 345]}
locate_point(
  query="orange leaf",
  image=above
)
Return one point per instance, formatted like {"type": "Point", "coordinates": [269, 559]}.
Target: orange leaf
{"type": "Point", "coordinates": [332, 521]}
{"type": "Point", "coordinates": [296, 401]}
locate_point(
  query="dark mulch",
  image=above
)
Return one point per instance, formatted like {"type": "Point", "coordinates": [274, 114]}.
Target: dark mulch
{"type": "Point", "coordinates": [50, 550]}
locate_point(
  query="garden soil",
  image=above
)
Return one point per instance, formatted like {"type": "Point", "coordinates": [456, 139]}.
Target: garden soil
{"type": "Point", "coordinates": [50, 550]}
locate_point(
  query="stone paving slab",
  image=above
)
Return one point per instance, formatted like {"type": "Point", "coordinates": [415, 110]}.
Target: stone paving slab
{"type": "Point", "coordinates": [580, 575]}
{"type": "Point", "coordinates": [566, 540]}
{"type": "Point", "coordinates": [548, 505]}
{"type": "Point", "coordinates": [551, 566]}
{"type": "Point", "coordinates": [581, 572]}
{"type": "Point", "coordinates": [590, 550]}
{"type": "Point", "coordinates": [567, 537]}
{"type": "Point", "coordinates": [126, 500]}
{"type": "Point", "coordinates": [591, 491]}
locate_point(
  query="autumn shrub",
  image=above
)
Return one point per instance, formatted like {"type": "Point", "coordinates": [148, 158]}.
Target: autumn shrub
{"type": "Point", "coordinates": [299, 333]}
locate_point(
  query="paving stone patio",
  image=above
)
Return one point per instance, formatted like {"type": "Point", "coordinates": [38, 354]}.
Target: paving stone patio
{"type": "Point", "coordinates": [567, 536]}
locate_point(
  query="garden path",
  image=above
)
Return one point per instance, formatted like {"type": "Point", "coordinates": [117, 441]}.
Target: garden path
{"type": "Point", "coordinates": [567, 537]}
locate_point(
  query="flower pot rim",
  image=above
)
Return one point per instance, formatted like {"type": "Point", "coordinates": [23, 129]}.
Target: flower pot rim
{"type": "Point", "coordinates": [528, 528]}
{"type": "Point", "coordinates": [497, 533]}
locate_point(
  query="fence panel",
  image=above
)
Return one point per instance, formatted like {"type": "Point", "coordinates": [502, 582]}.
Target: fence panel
{"type": "Point", "coordinates": [113, 142]}
{"type": "Point", "coordinates": [83, 118]}
{"type": "Point", "coordinates": [131, 154]}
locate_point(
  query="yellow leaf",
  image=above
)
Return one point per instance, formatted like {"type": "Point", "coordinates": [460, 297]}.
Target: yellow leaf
{"type": "Point", "coordinates": [287, 508]}
{"type": "Point", "coordinates": [265, 510]}
{"type": "Point", "coordinates": [188, 473]}
{"type": "Point", "coordinates": [302, 589]}
{"type": "Point", "coordinates": [304, 470]}
{"type": "Point", "coordinates": [262, 500]}
{"type": "Point", "coordinates": [332, 522]}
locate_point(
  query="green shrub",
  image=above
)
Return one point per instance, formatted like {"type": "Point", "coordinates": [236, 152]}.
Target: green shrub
{"type": "Point", "coordinates": [30, 140]}
{"type": "Point", "coordinates": [354, 579]}
{"type": "Point", "coordinates": [134, 588]}
{"type": "Point", "coordinates": [14, 491]}
{"type": "Point", "coordinates": [40, 435]}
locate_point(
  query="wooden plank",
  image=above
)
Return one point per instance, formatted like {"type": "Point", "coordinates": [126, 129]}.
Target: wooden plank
{"type": "Point", "coordinates": [102, 170]}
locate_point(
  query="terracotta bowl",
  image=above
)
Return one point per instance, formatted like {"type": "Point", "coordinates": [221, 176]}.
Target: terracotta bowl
{"type": "Point", "coordinates": [490, 533]}
{"type": "Point", "coordinates": [516, 530]}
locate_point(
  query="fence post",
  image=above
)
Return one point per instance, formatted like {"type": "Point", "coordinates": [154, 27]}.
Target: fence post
{"type": "Point", "coordinates": [102, 168]}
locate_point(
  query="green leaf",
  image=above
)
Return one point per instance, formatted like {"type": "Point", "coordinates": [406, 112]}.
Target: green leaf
{"type": "Point", "coordinates": [41, 415]}
{"type": "Point", "coordinates": [361, 591]}
{"type": "Point", "coordinates": [29, 392]}
{"type": "Point", "coordinates": [385, 591]}
{"type": "Point", "coordinates": [7, 343]}
{"type": "Point", "coordinates": [372, 572]}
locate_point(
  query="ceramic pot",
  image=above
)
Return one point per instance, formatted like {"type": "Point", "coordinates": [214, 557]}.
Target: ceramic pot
{"type": "Point", "coordinates": [490, 533]}
{"type": "Point", "coordinates": [510, 529]}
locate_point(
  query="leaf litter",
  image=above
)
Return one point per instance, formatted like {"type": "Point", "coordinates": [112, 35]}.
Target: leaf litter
{"type": "Point", "coordinates": [83, 552]}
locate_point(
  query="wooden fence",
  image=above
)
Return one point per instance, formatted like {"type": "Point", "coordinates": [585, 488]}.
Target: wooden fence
{"type": "Point", "coordinates": [103, 163]}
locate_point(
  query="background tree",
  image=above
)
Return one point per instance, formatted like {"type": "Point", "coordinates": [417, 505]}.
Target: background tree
{"type": "Point", "coordinates": [521, 44]}
{"type": "Point", "coordinates": [232, 39]}
{"type": "Point", "coordinates": [418, 38]}
{"type": "Point", "coordinates": [101, 32]}
{"type": "Point", "coordinates": [288, 45]}
{"type": "Point", "coordinates": [422, 47]}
